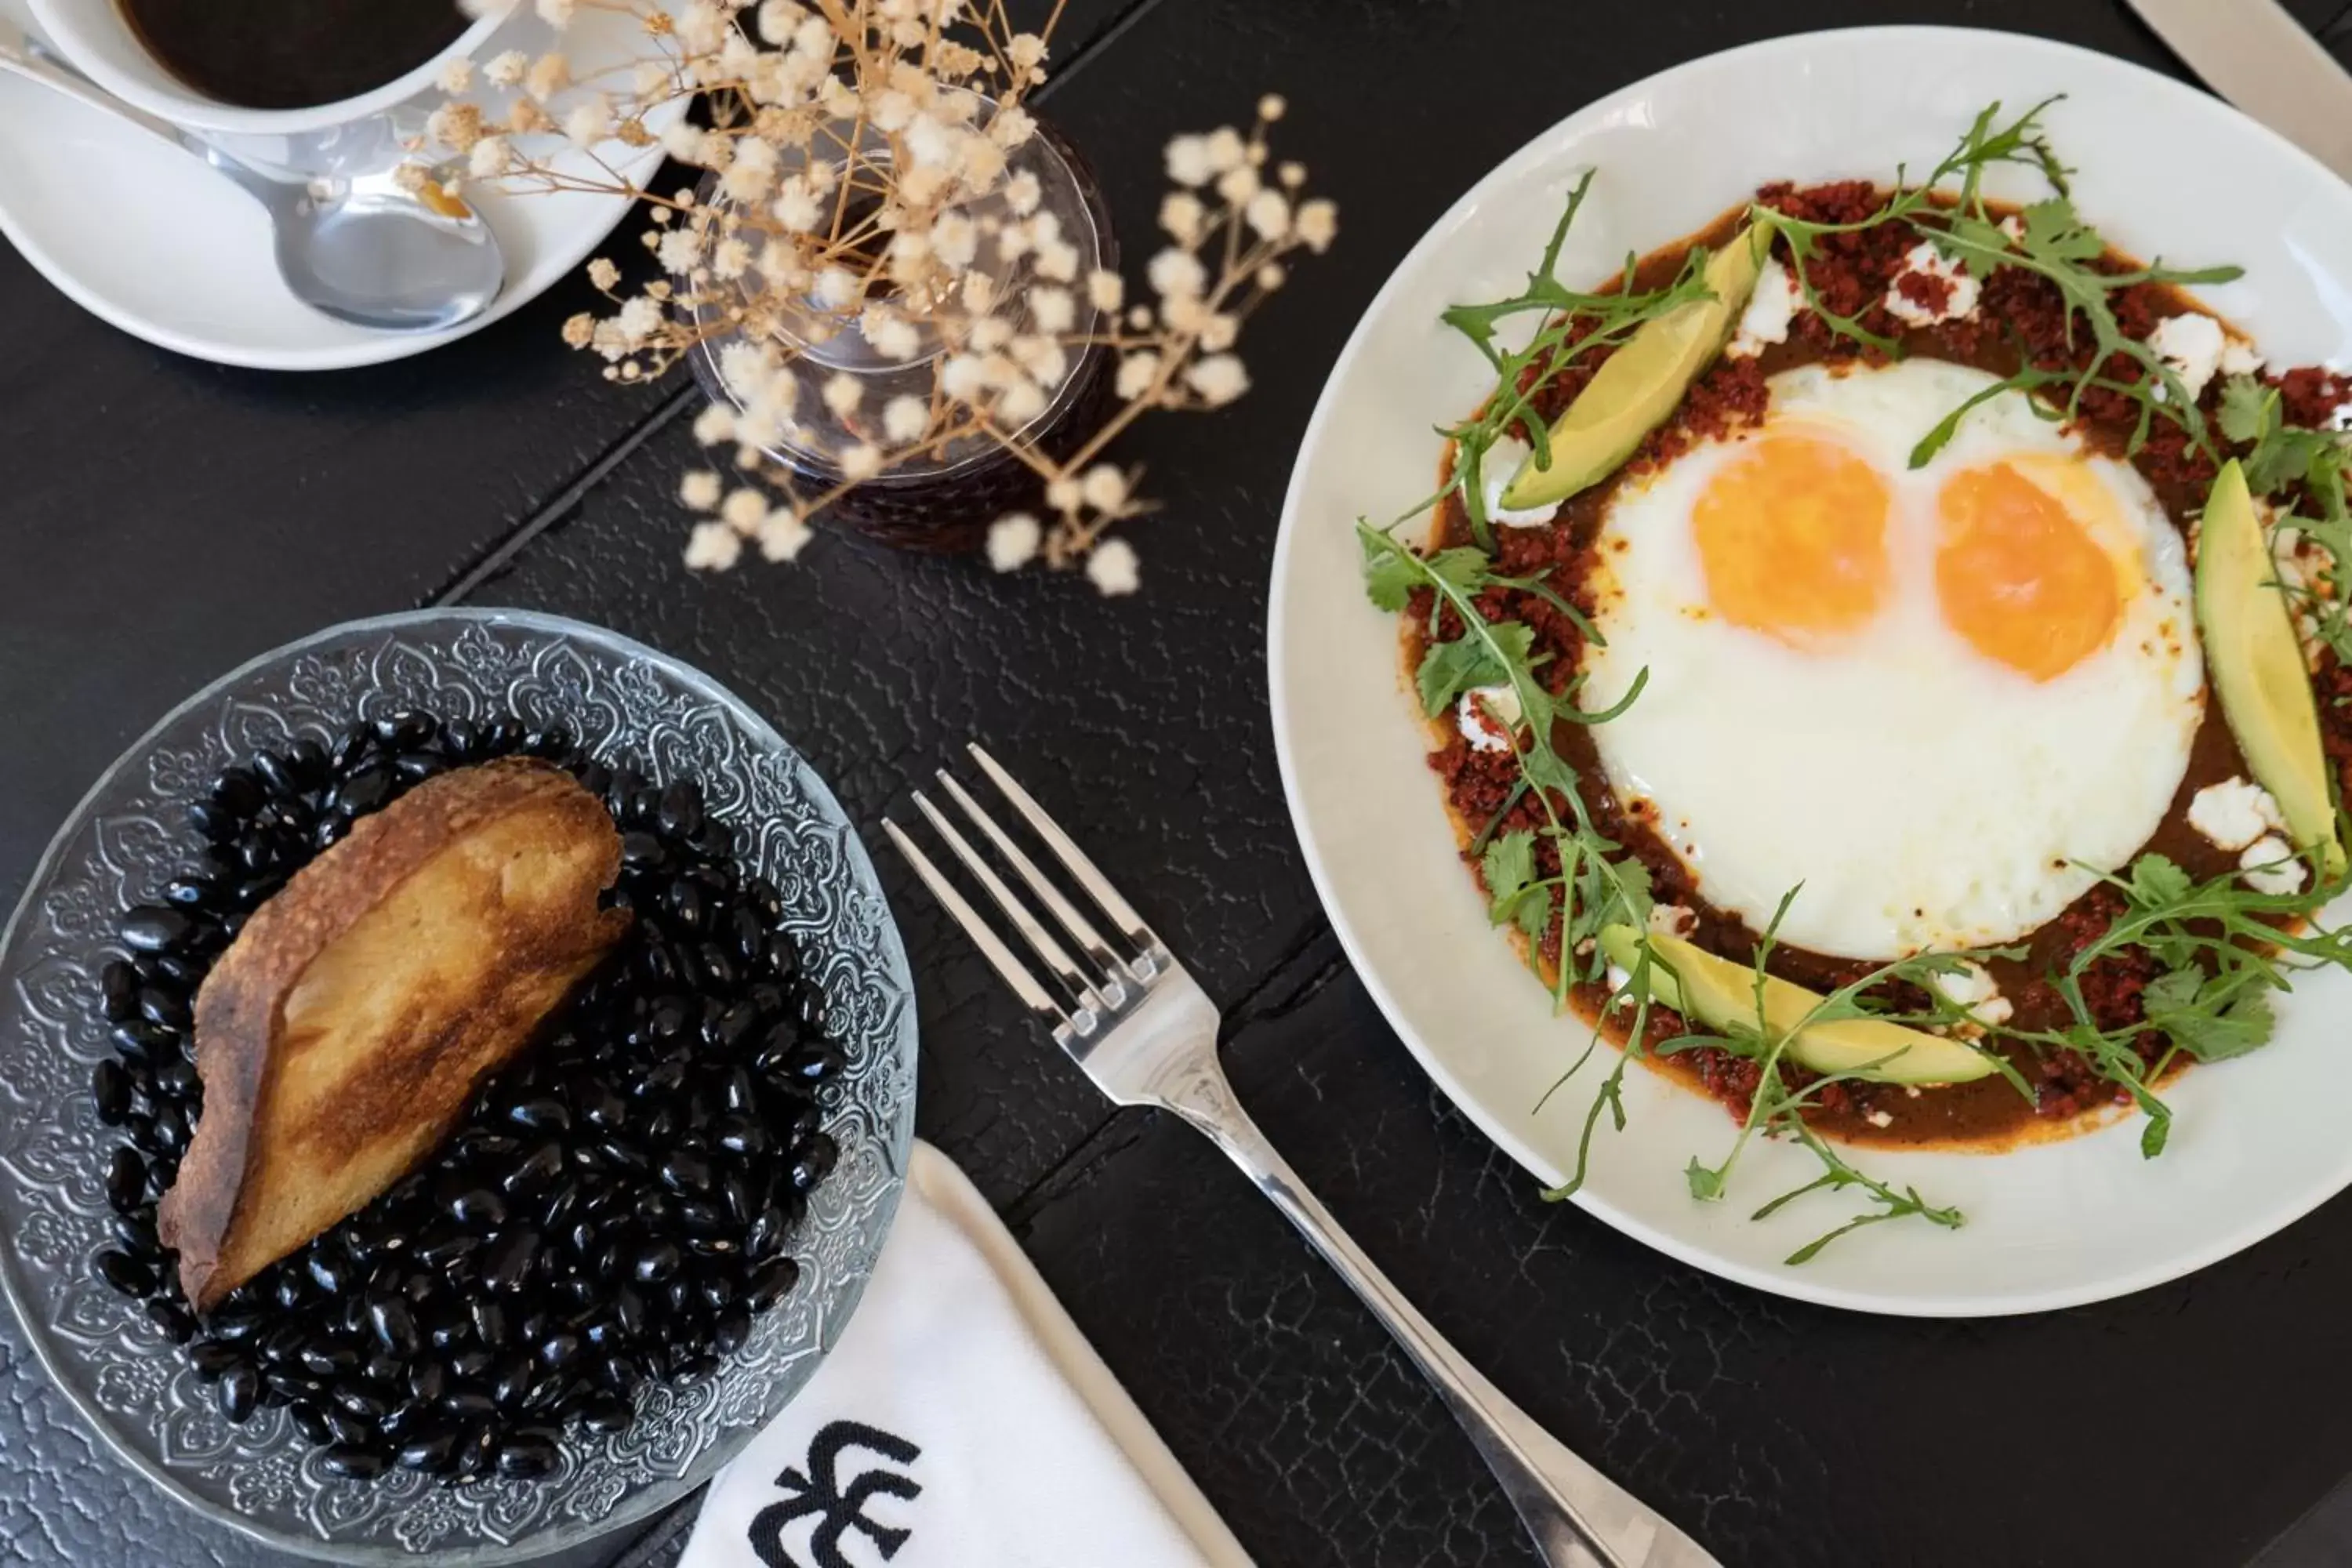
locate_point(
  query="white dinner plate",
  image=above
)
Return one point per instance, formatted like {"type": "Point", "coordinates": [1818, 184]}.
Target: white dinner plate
{"type": "Point", "coordinates": [2163, 170]}
{"type": "Point", "coordinates": [146, 237]}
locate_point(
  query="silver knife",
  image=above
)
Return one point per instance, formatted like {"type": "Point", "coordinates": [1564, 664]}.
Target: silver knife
{"type": "Point", "coordinates": [2256, 55]}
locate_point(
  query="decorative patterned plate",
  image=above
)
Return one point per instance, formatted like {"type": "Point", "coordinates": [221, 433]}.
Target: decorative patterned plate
{"type": "Point", "coordinates": [139, 1391]}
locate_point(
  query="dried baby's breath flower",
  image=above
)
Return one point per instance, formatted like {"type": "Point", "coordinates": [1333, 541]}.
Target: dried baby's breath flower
{"type": "Point", "coordinates": [1271, 108]}
{"type": "Point", "coordinates": [489, 158]}
{"type": "Point", "coordinates": [548, 74]}
{"type": "Point", "coordinates": [1177, 274]}
{"type": "Point", "coordinates": [1188, 163]}
{"type": "Point", "coordinates": [604, 274]}
{"type": "Point", "coordinates": [579, 330]}
{"type": "Point", "coordinates": [456, 75]}
{"type": "Point", "coordinates": [1218, 379]}
{"type": "Point", "coordinates": [1181, 214]}
{"type": "Point", "coordinates": [715, 424]}
{"type": "Point", "coordinates": [1106, 290]}
{"type": "Point", "coordinates": [1103, 488]}
{"type": "Point", "coordinates": [743, 510]}
{"type": "Point", "coordinates": [506, 69]}
{"type": "Point", "coordinates": [905, 418]}
{"type": "Point", "coordinates": [784, 534]}
{"type": "Point", "coordinates": [556, 14]}
{"type": "Point", "coordinates": [862, 461]}
{"type": "Point", "coordinates": [1268, 215]}
{"type": "Point", "coordinates": [1318, 224]}
{"type": "Point", "coordinates": [1012, 540]}
{"type": "Point", "coordinates": [1136, 372]}
{"type": "Point", "coordinates": [713, 547]}
{"type": "Point", "coordinates": [1052, 309]}
{"type": "Point", "coordinates": [842, 394]}
{"type": "Point", "coordinates": [700, 489]}
{"type": "Point", "coordinates": [1111, 568]}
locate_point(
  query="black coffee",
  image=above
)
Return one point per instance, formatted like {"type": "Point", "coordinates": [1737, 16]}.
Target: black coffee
{"type": "Point", "coordinates": [292, 53]}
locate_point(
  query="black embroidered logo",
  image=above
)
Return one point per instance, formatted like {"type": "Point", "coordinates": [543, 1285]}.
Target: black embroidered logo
{"type": "Point", "coordinates": [819, 1491]}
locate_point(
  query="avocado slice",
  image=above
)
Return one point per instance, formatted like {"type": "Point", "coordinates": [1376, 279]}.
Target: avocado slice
{"type": "Point", "coordinates": [1642, 383]}
{"type": "Point", "coordinates": [2255, 662]}
{"type": "Point", "coordinates": [1721, 994]}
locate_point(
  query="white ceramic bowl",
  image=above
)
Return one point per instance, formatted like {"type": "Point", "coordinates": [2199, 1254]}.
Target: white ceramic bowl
{"type": "Point", "coordinates": [2163, 170]}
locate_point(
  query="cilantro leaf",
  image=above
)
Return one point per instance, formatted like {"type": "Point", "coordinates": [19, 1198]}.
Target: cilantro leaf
{"type": "Point", "coordinates": [2211, 1017]}
{"type": "Point", "coordinates": [1450, 669]}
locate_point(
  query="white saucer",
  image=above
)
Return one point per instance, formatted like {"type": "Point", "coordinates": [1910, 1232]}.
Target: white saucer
{"type": "Point", "coordinates": [150, 240]}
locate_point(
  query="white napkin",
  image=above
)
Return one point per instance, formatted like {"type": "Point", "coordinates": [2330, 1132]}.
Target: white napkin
{"type": "Point", "coordinates": [961, 1422]}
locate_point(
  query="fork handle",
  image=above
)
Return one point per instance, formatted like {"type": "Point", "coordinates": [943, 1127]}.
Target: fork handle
{"type": "Point", "coordinates": [1579, 1518]}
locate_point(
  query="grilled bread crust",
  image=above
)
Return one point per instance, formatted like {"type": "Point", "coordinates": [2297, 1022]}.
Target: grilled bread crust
{"type": "Point", "coordinates": [343, 1032]}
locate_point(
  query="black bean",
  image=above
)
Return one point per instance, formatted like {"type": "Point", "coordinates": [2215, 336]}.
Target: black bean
{"type": "Point", "coordinates": [395, 1328]}
{"type": "Point", "coordinates": [699, 1216]}
{"type": "Point", "coordinates": [641, 851]}
{"type": "Point", "coordinates": [416, 766]}
{"type": "Point", "coordinates": [528, 1455]}
{"type": "Point", "coordinates": [731, 1329]}
{"type": "Point", "coordinates": [237, 792]}
{"type": "Point", "coordinates": [607, 1413]}
{"type": "Point", "coordinates": [749, 936]}
{"type": "Point", "coordinates": [468, 1404]}
{"type": "Point", "coordinates": [662, 1079]}
{"type": "Point", "coordinates": [306, 764]}
{"type": "Point", "coordinates": [558, 1349]}
{"type": "Point", "coordinates": [122, 1272]}
{"type": "Point", "coordinates": [462, 739]}
{"type": "Point", "coordinates": [686, 1171]}
{"type": "Point", "coordinates": [240, 1390]}
{"type": "Point", "coordinates": [506, 1262]}
{"type": "Point", "coordinates": [328, 1361]}
{"type": "Point", "coordinates": [211, 1358]}
{"type": "Point", "coordinates": [384, 1369]}
{"type": "Point", "coordinates": [213, 823]}
{"type": "Point", "coordinates": [472, 1362]}
{"type": "Point", "coordinates": [654, 1261]}
{"type": "Point", "coordinates": [176, 1076]}
{"type": "Point", "coordinates": [815, 1160]}
{"type": "Point", "coordinates": [444, 1252]}
{"type": "Point", "coordinates": [679, 810]}
{"type": "Point", "coordinates": [621, 1374]}
{"type": "Point", "coordinates": [427, 1380]}
{"type": "Point", "coordinates": [362, 1402]}
{"type": "Point", "coordinates": [739, 1134]}
{"type": "Point", "coordinates": [780, 956]}
{"type": "Point", "coordinates": [362, 792]}
{"type": "Point", "coordinates": [289, 1288]}
{"type": "Point", "coordinates": [310, 1421]}
{"type": "Point", "coordinates": [510, 1382]}
{"type": "Point", "coordinates": [535, 1171]}
{"type": "Point", "coordinates": [118, 990]}
{"type": "Point", "coordinates": [330, 832]}
{"type": "Point", "coordinates": [481, 1207]}
{"type": "Point", "coordinates": [140, 1126]}
{"type": "Point", "coordinates": [136, 1231]}
{"type": "Point", "coordinates": [550, 743]}
{"type": "Point", "coordinates": [491, 1327]}
{"type": "Point", "coordinates": [407, 730]}
{"type": "Point", "coordinates": [171, 1129]}
{"type": "Point", "coordinates": [350, 1462]}
{"type": "Point", "coordinates": [715, 967]}
{"type": "Point", "coordinates": [543, 1114]}
{"type": "Point", "coordinates": [109, 1091]}
{"type": "Point", "coordinates": [179, 1324]}
{"type": "Point", "coordinates": [234, 1323]}
{"type": "Point", "coordinates": [656, 963]}
{"type": "Point", "coordinates": [157, 928]}
{"type": "Point", "coordinates": [126, 1179]}
{"type": "Point", "coordinates": [501, 736]}
{"type": "Point", "coordinates": [164, 1008]}
{"type": "Point", "coordinates": [431, 1451]}
{"type": "Point", "coordinates": [594, 777]}
{"type": "Point", "coordinates": [772, 1283]}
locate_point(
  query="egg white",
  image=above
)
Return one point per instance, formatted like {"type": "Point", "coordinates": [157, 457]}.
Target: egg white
{"type": "Point", "coordinates": [1923, 796]}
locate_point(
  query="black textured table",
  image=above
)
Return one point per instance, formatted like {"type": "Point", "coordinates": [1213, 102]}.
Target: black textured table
{"type": "Point", "coordinates": [163, 520]}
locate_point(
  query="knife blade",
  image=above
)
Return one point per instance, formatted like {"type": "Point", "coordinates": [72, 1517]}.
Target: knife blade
{"type": "Point", "coordinates": [2256, 55]}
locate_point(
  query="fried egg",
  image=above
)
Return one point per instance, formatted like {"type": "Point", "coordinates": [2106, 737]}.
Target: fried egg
{"type": "Point", "coordinates": [1938, 701]}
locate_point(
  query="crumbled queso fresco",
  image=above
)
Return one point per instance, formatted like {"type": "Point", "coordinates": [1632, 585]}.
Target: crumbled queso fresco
{"type": "Point", "coordinates": [1502, 460]}
{"type": "Point", "coordinates": [2234, 813]}
{"type": "Point", "coordinates": [2269, 866]}
{"type": "Point", "coordinates": [1957, 290]}
{"type": "Point", "coordinates": [1972, 988]}
{"type": "Point", "coordinates": [1476, 713]}
{"type": "Point", "coordinates": [1770, 310]}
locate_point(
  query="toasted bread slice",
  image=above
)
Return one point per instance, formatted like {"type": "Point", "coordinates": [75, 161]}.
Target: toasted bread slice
{"type": "Point", "coordinates": [343, 1032]}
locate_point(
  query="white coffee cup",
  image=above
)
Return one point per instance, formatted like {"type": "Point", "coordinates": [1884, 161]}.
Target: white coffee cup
{"type": "Point", "coordinates": [96, 39]}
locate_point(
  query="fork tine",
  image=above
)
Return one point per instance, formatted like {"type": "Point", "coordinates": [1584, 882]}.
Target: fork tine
{"type": "Point", "coordinates": [1081, 930]}
{"type": "Point", "coordinates": [1074, 859]}
{"type": "Point", "coordinates": [1014, 973]}
{"type": "Point", "coordinates": [1040, 940]}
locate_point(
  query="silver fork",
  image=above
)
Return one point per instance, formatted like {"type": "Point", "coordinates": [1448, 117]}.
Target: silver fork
{"type": "Point", "coordinates": [1146, 1033]}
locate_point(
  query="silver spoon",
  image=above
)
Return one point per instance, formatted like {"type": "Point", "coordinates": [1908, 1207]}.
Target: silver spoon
{"type": "Point", "coordinates": [355, 246]}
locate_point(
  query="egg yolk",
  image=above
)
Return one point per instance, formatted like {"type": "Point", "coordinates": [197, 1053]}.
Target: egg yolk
{"type": "Point", "coordinates": [2019, 576]}
{"type": "Point", "coordinates": [1792, 537]}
